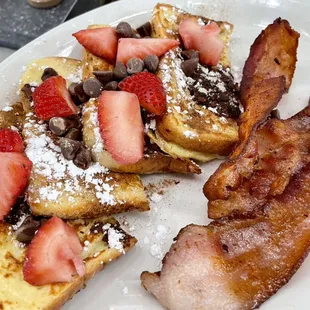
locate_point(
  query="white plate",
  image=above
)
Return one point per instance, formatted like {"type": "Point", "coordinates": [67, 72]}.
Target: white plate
{"type": "Point", "coordinates": [185, 203]}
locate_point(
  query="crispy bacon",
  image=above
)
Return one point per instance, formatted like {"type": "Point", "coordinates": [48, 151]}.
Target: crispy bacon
{"type": "Point", "coordinates": [242, 182]}
{"type": "Point", "coordinates": [273, 54]}
{"type": "Point", "coordinates": [237, 262]}
{"type": "Point", "coordinates": [274, 153]}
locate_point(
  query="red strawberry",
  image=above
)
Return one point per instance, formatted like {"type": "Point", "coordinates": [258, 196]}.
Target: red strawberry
{"type": "Point", "coordinates": [203, 39]}
{"type": "Point", "coordinates": [15, 169]}
{"type": "Point", "coordinates": [10, 141]}
{"type": "Point", "coordinates": [149, 89]}
{"type": "Point", "coordinates": [52, 98]}
{"type": "Point", "coordinates": [121, 126]}
{"type": "Point", "coordinates": [140, 48]}
{"type": "Point", "coordinates": [101, 42]}
{"type": "Point", "coordinates": [54, 254]}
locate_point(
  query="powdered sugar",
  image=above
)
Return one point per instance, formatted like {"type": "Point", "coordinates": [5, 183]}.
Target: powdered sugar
{"type": "Point", "coordinates": [115, 238]}
{"type": "Point", "coordinates": [64, 178]}
{"type": "Point", "coordinates": [7, 109]}
{"type": "Point", "coordinates": [92, 109]}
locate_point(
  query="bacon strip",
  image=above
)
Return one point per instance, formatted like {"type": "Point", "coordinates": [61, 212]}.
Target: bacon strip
{"type": "Point", "coordinates": [262, 87]}
{"type": "Point", "coordinates": [273, 54]}
{"type": "Point", "coordinates": [239, 262]}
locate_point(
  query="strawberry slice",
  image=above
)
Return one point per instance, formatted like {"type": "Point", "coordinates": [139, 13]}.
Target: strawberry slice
{"type": "Point", "coordinates": [203, 39]}
{"type": "Point", "coordinates": [54, 254]}
{"type": "Point", "coordinates": [15, 169]}
{"type": "Point", "coordinates": [121, 126]}
{"type": "Point", "coordinates": [52, 98]}
{"type": "Point", "coordinates": [140, 48]}
{"type": "Point", "coordinates": [11, 141]}
{"type": "Point", "coordinates": [101, 42]}
{"type": "Point", "coordinates": [149, 89]}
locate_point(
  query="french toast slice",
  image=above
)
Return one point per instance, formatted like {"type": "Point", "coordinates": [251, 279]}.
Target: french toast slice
{"type": "Point", "coordinates": [15, 293]}
{"type": "Point", "coordinates": [193, 127]}
{"type": "Point", "coordinates": [57, 186]}
{"type": "Point", "coordinates": [154, 161]}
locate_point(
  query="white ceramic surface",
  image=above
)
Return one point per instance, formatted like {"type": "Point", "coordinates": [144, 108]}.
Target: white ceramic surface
{"type": "Point", "coordinates": [118, 286]}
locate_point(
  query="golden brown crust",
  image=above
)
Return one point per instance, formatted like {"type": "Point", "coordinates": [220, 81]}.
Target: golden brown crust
{"type": "Point", "coordinates": [274, 53]}
{"type": "Point", "coordinates": [49, 297]}
{"type": "Point", "coordinates": [210, 134]}
{"type": "Point", "coordinates": [152, 162]}
{"type": "Point", "coordinates": [127, 189]}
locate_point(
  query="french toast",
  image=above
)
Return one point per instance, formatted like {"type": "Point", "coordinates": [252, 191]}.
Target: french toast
{"type": "Point", "coordinates": [198, 130]}
{"type": "Point", "coordinates": [16, 293]}
{"type": "Point", "coordinates": [154, 161]}
{"type": "Point", "coordinates": [57, 186]}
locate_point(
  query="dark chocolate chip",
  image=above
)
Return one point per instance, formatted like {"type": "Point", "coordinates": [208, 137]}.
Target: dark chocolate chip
{"type": "Point", "coordinates": [104, 76]}
{"type": "Point", "coordinates": [69, 148]}
{"type": "Point", "coordinates": [59, 125]}
{"type": "Point", "coordinates": [275, 114]}
{"type": "Point", "coordinates": [189, 66]}
{"type": "Point", "coordinates": [83, 158]}
{"type": "Point", "coordinates": [120, 71]}
{"type": "Point", "coordinates": [151, 63]}
{"type": "Point", "coordinates": [190, 54]}
{"type": "Point", "coordinates": [27, 230]}
{"type": "Point", "coordinates": [111, 86]}
{"type": "Point", "coordinates": [71, 89]}
{"type": "Point", "coordinates": [74, 134]}
{"type": "Point", "coordinates": [47, 73]}
{"type": "Point", "coordinates": [81, 93]}
{"type": "Point", "coordinates": [27, 91]}
{"type": "Point", "coordinates": [135, 65]}
{"type": "Point", "coordinates": [145, 29]}
{"type": "Point", "coordinates": [124, 30]}
{"type": "Point", "coordinates": [92, 87]}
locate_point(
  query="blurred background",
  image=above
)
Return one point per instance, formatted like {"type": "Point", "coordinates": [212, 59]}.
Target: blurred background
{"type": "Point", "coordinates": [21, 21]}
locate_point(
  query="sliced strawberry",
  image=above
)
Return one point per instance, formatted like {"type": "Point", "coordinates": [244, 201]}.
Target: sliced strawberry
{"type": "Point", "coordinates": [149, 89]}
{"type": "Point", "coordinates": [52, 98]}
{"type": "Point", "coordinates": [54, 254]}
{"type": "Point", "coordinates": [101, 42]}
{"type": "Point", "coordinates": [121, 126]}
{"type": "Point", "coordinates": [15, 169]}
{"type": "Point", "coordinates": [10, 141]}
{"type": "Point", "coordinates": [203, 39]}
{"type": "Point", "coordinates": [140, 48]}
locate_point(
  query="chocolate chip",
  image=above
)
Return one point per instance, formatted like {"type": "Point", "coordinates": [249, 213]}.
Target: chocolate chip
{"type": "Point", "coordinates": [275, 114]}
{"type": "Point", "coordinates": [59, 125]}
{"type": "Point", "coordinates": [74, 134]}
{"type": "Point", "coordinates": [124, 30]}
{"type": "Point", "coordinates": [92, 87]}
{"type": "Point", "coordinates": [47, 73]}
{"type": "Point", "coordinates": [120, 71]}
{"type": "Point", "coordinates": [104, 76]}
{"type": "Point", "coordinates": [151, 63]}
{"type": "Point", "coordinates": [69, 148]}
{"type": "Point", "coordinates": [134, 65]}
{"type": "Point", "coordinates": [71, 89]}
{"type": "Point", "coordinates": [27, 91]}
{"type": "Point", "coordinates": [81, 93]}
{"type": "Point", "coordinates": [189, 66]}
{"type": "Point", "coordinates": [27, 230]}
{"type": "Point", "coordinates": [83, 158]}
{"type": "Point", "coordinates": [111, 86]}
{"type": "Point", "coordinates": [145, 29]}
{"type": "Point", "coordinates": [190, 54]}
